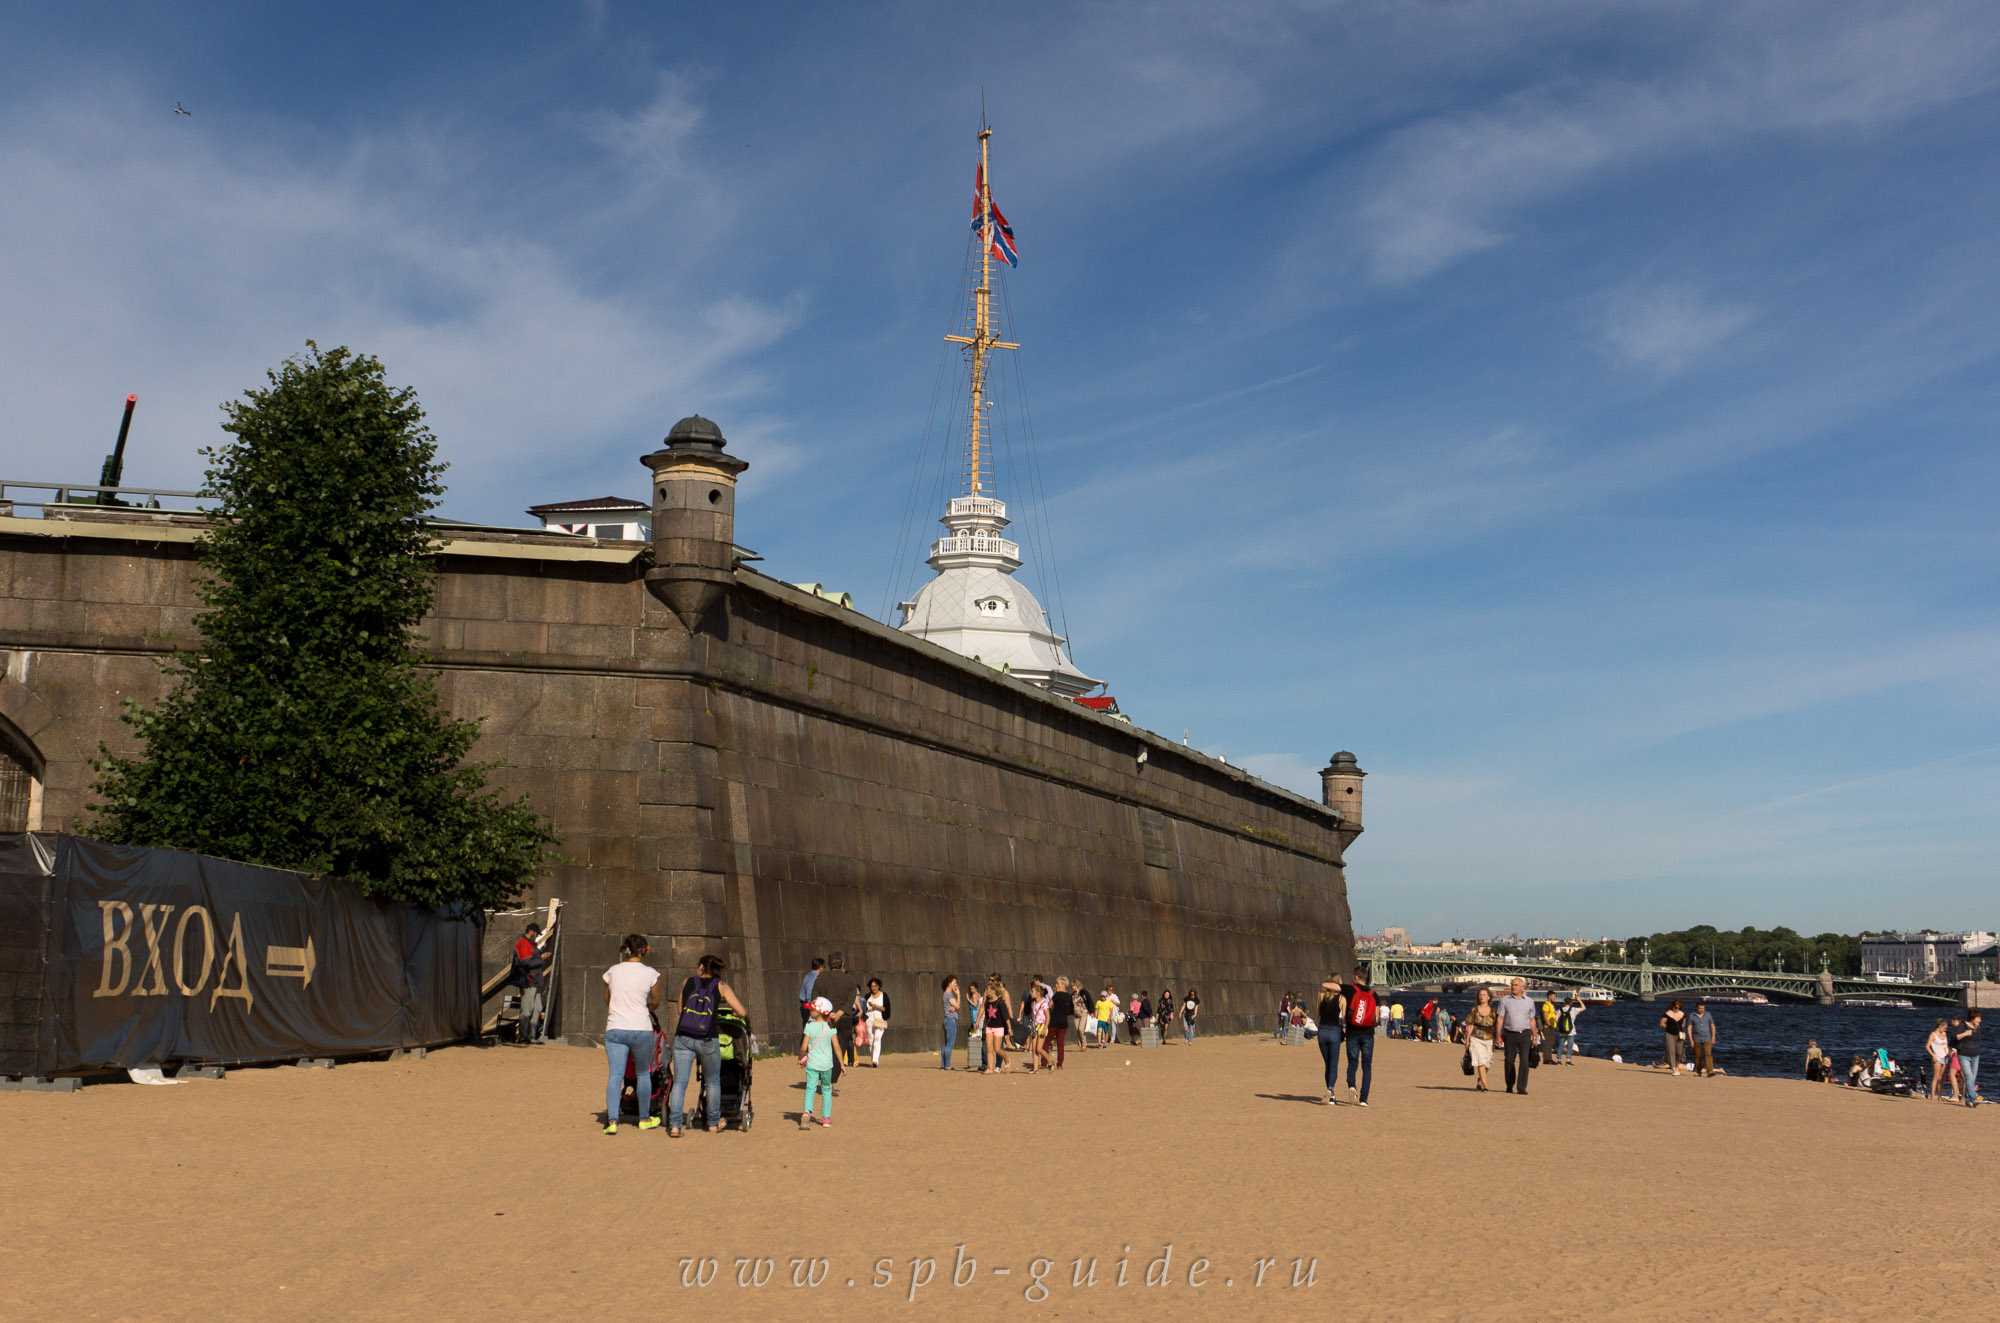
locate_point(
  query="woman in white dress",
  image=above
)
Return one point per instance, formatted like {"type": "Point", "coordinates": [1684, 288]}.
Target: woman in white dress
{"type": "Point", "coordinates": [878, 1020]}
{"type": "Point", "coordinates": [1939, 1046]}
{"type": "Point", "coordinates": [1482, 1026]}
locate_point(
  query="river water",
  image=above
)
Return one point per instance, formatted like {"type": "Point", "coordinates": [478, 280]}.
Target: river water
{"type": "Point", "coordinates": [1750, 1040]}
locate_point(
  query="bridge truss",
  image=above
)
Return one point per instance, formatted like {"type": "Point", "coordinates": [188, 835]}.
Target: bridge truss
{"type": "Point", "coordinates": [1646, 981]}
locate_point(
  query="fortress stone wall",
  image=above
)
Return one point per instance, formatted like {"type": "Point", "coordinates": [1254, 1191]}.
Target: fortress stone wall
{"type": "Point", "coordinates": [780, 779]}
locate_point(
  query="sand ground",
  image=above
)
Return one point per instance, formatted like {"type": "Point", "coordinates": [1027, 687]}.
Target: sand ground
{"type": "Point", "coordinates": [477, 1184]}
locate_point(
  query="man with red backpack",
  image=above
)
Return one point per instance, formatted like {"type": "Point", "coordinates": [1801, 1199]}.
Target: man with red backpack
{"type": "Point", "coordinates": [1358, 1028]}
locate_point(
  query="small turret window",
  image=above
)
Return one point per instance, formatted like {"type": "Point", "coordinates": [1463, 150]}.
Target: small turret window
{"type": "Point", "coordinates": [993, 606]}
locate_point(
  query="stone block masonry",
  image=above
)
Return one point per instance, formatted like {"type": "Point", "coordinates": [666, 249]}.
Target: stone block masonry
{"type": "Point", "coordinates": [786, 779]}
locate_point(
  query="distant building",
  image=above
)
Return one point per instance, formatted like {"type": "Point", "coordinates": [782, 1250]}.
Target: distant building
{"type": "Point", "coordinates": [605, 516]}
{"type": "Point", "coordinates": [1925, 957]}
{"type": "Point", "coordinates": [1979, 964]}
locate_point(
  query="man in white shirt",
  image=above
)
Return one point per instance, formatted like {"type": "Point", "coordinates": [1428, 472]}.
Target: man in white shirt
{"type": "Point", "coordinates": [1520, 1033]}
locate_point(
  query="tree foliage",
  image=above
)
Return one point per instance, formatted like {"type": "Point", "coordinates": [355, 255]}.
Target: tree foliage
{"type": "Point", "coordinates": [1701, 946]}
{"type": "Point", "coordinates": [304, 733]}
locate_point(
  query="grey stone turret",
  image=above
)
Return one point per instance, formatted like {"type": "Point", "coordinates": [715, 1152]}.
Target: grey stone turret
{"type": "Point", "coordinates": [1340, 788]}
{"type": "Point", "coordinates": [694, 519]}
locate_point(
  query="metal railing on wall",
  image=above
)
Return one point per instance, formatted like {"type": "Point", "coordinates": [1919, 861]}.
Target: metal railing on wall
{"type": "Point", "coordinates": [90, 494]}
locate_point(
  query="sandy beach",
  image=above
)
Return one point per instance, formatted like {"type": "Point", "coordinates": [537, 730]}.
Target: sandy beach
{"type": "Point", "coordinates": [476, 1182]}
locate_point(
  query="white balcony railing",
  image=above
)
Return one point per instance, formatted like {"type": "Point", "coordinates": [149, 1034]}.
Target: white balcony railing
{"type": "Point", "coordinates": [991, 507]}
{"type": "Point", "coordinates": [964, 542]}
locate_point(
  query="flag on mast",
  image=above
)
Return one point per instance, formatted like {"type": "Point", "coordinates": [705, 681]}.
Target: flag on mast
{"type": "Point", "coordinates": [1001, 243]}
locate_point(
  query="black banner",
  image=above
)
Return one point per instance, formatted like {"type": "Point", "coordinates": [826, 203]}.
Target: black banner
{"type": "Point", "coordinates": [161, 955]}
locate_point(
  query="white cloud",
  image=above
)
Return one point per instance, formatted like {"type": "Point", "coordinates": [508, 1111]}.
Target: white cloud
{"type": "Point", "coordinates": [657, 135]}
{"type": "Point", "coordinates": [169, 260]}
{"type": "Point", "coordinates": [1451, 185]}
{"type": "Point", "coordinates": [1666, 326]}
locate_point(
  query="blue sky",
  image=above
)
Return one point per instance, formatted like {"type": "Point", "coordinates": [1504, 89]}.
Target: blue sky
{"type": "Point", "coordinates": [1583, 413]}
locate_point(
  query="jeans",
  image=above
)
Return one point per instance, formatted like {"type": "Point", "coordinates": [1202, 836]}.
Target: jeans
{"type": "Point", "coordinates": [1057, 1036]}
{"type": "Point", "coordinates": [1520, 1052]}
{"type": "Point", "coordinates": [1969, 1067]}
{"type": "Point", "coordinates": [685, 1051]}
{"type": "Point", "coordinates": [1568, 1046]}
{"type": "Point", "coordinates": [1187, 1028]}
{"type": "Point", "coordinates": [531, 1030]}
{"type": "Point", "coordinates": [1329, 1048]}
{"type": "Point", "coordinates": [619, 1046]}
{"type": "Point", "coordinates": [818, 1081]}
{"type": "Point", "coordinates": [1284, 1021]}
{"type": "Point", "coordinates": [1361, 1048]}
{"type": "Point", "coordinates": [950, 1039]}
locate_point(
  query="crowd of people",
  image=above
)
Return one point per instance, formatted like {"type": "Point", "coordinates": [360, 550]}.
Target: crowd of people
{"type": "Point", "coordinates": [1039, 1026]}
{"type": "Point", "coordinates": [1951, 1049]}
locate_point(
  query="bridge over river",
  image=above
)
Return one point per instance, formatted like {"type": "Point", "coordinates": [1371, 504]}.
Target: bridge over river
{"type": "Point", "coordinates": [1646, 981]}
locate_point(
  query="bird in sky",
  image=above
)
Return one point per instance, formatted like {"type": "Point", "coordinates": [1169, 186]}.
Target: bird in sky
{"type": "Point", "coordinates": [180, 109]}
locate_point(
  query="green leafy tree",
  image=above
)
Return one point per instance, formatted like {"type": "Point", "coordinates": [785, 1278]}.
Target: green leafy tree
{"type": "Point", "coordinates": [305, 733]}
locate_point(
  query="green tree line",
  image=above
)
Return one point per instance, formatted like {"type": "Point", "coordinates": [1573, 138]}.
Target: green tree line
{"type": "Point", "coordinates": [1703, 947]}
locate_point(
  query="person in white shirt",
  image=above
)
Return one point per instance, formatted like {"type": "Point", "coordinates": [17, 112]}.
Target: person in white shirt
{"type": "Point", "coordinates": [631, 995]}
{"type": "Point", "coordinates": [878, 1021]}
{"type": "Point", "coordinates": [1519, 1032]}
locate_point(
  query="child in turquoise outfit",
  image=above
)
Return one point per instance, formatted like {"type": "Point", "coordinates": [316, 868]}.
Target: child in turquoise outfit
{"type": "Point", "coordinates": [817, 1057]}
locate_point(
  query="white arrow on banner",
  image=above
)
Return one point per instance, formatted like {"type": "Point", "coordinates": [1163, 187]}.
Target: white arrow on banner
{"type": "Point", "coordinates": [291, 962]}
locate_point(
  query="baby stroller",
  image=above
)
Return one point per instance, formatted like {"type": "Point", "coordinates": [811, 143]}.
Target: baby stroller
{"type": "Point", "coordinates": [659, 1066]}
{"type": "Point", "coordinates": [1888, 1077]}
{"type": "Point", "coordinates": [739, 1048]}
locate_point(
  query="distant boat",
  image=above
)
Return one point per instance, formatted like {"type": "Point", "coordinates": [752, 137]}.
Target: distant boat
{"type": "Point", "coordinates": [1897, 1002]}
{"type": "Point", "coordinates": [1596, 996]}
{"type": "Point", "coordinates": [1741, 997]}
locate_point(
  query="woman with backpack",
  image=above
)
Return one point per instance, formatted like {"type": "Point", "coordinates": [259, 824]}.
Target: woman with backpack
{"type": "Point", "coordinates": [697, 1036]}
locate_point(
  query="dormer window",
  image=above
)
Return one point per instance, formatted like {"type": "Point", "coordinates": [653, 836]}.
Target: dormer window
{"type": "Point", "coordinates": [993, 606]}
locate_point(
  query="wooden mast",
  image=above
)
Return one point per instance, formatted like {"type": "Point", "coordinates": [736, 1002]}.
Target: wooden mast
{"type": "Point", "coordinates": [981, 342]}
